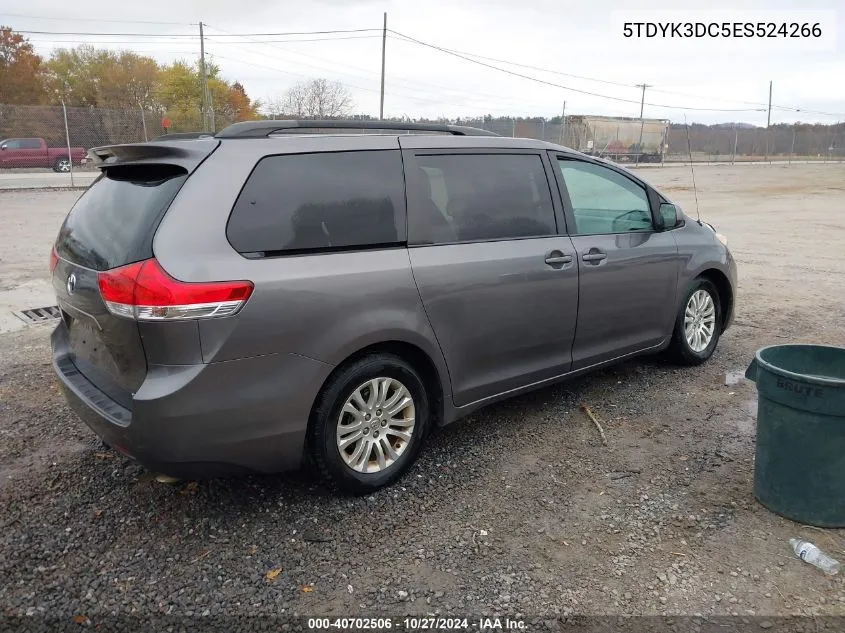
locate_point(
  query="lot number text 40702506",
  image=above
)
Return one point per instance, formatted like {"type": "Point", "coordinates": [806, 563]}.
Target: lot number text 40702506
{"type": "Point", "coordinates": [418, 623]}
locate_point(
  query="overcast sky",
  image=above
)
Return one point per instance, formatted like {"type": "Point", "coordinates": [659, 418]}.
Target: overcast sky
{"type": "Point", "coordinates": [576, 38]}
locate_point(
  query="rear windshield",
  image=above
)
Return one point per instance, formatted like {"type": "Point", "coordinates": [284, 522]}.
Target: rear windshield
{"type": "Point", "coordinates": [114, 221]}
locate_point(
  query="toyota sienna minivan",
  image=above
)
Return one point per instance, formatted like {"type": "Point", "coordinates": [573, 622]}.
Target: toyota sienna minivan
{"type": "Point", "coordinates": [331, 291]}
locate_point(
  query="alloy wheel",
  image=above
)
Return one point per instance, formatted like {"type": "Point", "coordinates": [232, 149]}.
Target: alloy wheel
{"type": "Point", "coordinates": [699, 320]}
{"type": "Point", "coordinates": [375, 425]}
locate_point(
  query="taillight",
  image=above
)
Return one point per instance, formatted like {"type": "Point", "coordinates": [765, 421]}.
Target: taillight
{"type": "Point", "coordinates": [54, 260]}
{"type": "Point", "coordinates": [144, 291]}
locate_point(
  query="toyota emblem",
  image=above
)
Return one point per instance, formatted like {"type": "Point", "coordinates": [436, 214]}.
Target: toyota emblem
{"type": "Point", "coordinates": [71, 283]}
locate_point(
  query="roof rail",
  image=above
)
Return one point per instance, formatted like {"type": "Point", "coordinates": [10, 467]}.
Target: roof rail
{"type": "Point", "coordinates": [263, 129]}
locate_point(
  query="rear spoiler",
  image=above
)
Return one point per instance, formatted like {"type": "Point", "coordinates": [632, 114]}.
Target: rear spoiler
{"type": "Point", "coordinates": [187, 154]}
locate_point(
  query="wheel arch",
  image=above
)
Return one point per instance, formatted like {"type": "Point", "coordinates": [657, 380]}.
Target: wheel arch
{"type": "Point", "coordinates": [436, 383]}
{"type": "Point", "coordinates": [723, 287]}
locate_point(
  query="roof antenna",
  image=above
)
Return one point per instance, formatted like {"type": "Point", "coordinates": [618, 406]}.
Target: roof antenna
{"type": "Point", "coordinates": [694, 189]}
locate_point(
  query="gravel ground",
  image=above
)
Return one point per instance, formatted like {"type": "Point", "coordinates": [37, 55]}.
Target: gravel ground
{"type": "Point", "coordinates": [519, 510]}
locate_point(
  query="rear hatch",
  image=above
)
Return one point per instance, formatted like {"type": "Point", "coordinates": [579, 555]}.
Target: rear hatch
{"type": "Point", "coordinates": [110, 226]}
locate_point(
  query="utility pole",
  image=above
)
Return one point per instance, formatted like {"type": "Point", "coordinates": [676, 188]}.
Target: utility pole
{"type": "Point", "coordinates": [562, 136]}
{"type": "Point", "coordinates": [203, 82]}
{"type": "Point", "coordinates": [769, 120]}
{"type": "Point", "coordinates": [383, 53]}
{"type": "Point", "coordinates": [642, 121]}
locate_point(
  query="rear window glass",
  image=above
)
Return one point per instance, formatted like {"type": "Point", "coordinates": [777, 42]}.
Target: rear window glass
{"type": "Point", "coordinates": [114, 221]}
{"type": "Point", "coordinates": [326, 201]}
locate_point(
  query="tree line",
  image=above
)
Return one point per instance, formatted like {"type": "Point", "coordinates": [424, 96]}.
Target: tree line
{"type": "Point", "coordinates": [100, 78]}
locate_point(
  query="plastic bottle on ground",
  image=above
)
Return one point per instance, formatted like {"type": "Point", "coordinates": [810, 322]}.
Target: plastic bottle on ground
{"type": "Point", "coordinates": [809, 553]}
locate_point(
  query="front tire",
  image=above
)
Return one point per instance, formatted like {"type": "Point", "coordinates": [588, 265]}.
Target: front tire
{"type": "Point", "coordinates": [698, 324]}
{"type": "Point", "coordinates": [369, 423]}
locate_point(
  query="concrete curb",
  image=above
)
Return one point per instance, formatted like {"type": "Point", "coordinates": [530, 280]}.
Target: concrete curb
{"type": "Point", "coordinates": [43, 187]}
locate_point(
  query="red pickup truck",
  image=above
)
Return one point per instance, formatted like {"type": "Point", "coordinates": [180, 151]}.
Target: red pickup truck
{"type": "Point", "coordinates": [33, 152]}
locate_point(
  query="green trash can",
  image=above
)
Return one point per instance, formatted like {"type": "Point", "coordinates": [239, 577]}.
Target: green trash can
{"type": "Point", "coordinates": [799, 468]}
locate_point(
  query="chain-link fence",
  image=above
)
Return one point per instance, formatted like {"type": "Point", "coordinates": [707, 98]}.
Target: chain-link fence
{"type": "Point", "coordinates": [41, 138]}
{"type": "Point", "coordinates": [35, 139]}
{"type": "Point", "coordinates": [620, 139]}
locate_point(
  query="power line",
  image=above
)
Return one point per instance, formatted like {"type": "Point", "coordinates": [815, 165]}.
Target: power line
{"type": "Point", "coordinates": [89, 33]}
{"type": "Point", "coordinates": [357, 87]}
{"type": "Point", "coordinates": [756, 103]}
{"type": "Point", "coordinates": [616, 83]}
{"type": "Point", "coordinates": [519, 103]}
{"type": "Point", "coordinates": [624, 85]}
{"type": "Point", "coordinates": [293, 41]}
{"type": "Point", "coordinates": [64, 19]}
{"type": "Point", "coordinates": [540, 68]}
{"type": "Point", "coordinates": [549, 83]}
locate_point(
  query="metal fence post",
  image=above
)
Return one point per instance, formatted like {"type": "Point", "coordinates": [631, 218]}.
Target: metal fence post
{"type": "Point", "coordinates": [144, 123]}
{"type": "Point", "coordinates": [67, 138]}
{"type": "Point", "coordinates": [563, 130]}
{"type": "Point", "coordinates": [736, 140]}
{"type": "Point", "coordinates": [792, 150]}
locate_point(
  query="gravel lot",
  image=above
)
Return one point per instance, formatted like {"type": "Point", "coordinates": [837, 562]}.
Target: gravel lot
{"type": "Point", "coordinates": [518, 510]}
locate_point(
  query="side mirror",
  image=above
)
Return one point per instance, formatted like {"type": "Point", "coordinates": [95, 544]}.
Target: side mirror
{"type": "Point", "coordinates": [3, 146]}
{"type": "Point", "coordinates": [669, 216]}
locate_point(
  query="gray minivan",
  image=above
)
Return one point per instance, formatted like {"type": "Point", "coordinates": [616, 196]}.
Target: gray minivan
{"type": "Point", "coordinates": [331, 291]}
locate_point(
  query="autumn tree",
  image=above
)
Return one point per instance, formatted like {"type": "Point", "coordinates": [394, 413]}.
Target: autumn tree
{"type": "Point", "coordinates": [129, 81]}
{"type": "Point", "coordinates": [75, 75]}
{"type": "Point", "coordinates": [239, 107]}
{"type": "Point", "coordinates": [230, 103]}
{"type": "Point", "coordinates": [318, 99]}
{"type": "Point", "coordinates": [119, 81]}
{"type": "Point", "coordinates": [85, 76]}
{"type": "Point", "coordinates": [179, 95]}
{"type": "Point", "coordinates": [21, 76]}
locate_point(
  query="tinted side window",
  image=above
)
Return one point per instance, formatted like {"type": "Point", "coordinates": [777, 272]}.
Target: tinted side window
{"type": "Point", "coordinates": [302, 202]}
{"type": "Point", "coordinates": [12, 143]}
{"type": "Point", "coordinates": [603, 200]}
{"type": "Point", "coordinates": [469, 197]}
{"type": "Point", "coordinates": [30, 143]}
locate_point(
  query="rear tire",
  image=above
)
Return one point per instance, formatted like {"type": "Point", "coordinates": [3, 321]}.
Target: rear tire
{"type": "Point", "coordinates": [61, 165]}
{"type": "Point", "coordinates": [694, 314]}
{"type": "Point", "coordinates": [357, 446]}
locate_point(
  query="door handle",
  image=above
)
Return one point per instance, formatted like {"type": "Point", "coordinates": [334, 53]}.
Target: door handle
{"type": "Point", "coordinates": [594, 255]}
{"type": "Point", "coordinates": [556, 259]}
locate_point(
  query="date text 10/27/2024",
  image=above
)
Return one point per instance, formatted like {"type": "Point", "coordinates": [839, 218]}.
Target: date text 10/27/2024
{"type": "Point", "coordinates": [420, 623]}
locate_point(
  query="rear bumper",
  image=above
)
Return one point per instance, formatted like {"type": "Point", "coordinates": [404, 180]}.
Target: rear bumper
{"type": "Point", "coordinates": [247, 415]}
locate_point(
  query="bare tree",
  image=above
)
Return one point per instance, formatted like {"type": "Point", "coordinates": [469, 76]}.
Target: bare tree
{"type": "Point", "coordinates": [318, 99]}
